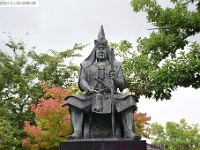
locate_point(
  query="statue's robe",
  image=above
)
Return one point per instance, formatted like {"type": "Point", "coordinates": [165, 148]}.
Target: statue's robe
{"type": "Point", "coordinates": [86, 101]}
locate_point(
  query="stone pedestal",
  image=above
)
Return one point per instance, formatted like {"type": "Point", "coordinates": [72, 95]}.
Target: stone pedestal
{"type": "Point", "coordinates": [104, 144]}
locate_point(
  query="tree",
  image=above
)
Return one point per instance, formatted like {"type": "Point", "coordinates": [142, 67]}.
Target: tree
{"type": "Point", "coordinates": [7, 138]}
{"type": "Point", "coordinates": [166, 59]}
{"type": "Point", "coordinates": [141, 124]}
{"type": "Point", "coordinates": [52, 120]}
{"type": "Point", "coordinates": [175, 136]}
{"type": "Point", "coordinates": [21, 76]}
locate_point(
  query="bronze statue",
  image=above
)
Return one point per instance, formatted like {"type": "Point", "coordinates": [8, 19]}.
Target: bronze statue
{"type": "Point", "coordinates": [101, 76]}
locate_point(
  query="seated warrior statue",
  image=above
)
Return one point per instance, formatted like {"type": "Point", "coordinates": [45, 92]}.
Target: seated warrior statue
{"type": "Point", "coordinates": [95, 79]}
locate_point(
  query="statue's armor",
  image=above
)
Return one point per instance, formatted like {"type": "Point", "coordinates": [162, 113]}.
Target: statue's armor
{"type": "Point", "coordinates": [101, 76]}
{"type": "Point", "coordinates": [86, 101]}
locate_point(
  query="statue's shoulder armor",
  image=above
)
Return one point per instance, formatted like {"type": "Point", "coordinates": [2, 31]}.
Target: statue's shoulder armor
{"type": "Point", "coordinates": [117, 63]}
{"type": "Point", "coordinates": [83, 67]}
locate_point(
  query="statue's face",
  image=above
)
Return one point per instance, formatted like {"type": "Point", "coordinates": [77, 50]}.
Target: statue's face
{"type": "Point", "coordinates": [101, 52]}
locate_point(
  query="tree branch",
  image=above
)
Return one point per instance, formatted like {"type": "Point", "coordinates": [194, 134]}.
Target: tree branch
{"type": "Point", "coordinates": [141, 83]}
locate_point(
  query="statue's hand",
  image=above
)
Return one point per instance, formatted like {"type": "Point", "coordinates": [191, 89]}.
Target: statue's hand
{"type": "Point", "coordinates": [90, 89]}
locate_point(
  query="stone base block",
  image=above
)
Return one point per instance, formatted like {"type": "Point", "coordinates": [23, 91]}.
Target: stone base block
{"type": "Point", "coordinates": [104, 144]}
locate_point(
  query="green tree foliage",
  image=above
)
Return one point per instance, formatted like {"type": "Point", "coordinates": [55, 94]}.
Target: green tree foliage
{"type": "Point", "coordinates": [7, 136]}
{"type": "Point", "coordinates": [176, 136]}
{"type": "Point", "coordinates": [166, 59]}
{"type": "Point", "coordinates": [21, 76]}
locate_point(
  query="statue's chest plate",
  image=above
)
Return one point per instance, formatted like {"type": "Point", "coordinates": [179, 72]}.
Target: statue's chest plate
{"type": "Point", "coordinates": [101, 72]}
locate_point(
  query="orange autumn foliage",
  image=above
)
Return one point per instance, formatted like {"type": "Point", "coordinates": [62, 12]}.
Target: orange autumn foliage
{"type": "Point", "coordinates": [53, 120]}
{"type": "Point", "coordinates": [142, 124]}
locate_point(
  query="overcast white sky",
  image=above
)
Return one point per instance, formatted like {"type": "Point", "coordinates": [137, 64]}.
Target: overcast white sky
{"type": "Point", "coordinates": [59, 24]}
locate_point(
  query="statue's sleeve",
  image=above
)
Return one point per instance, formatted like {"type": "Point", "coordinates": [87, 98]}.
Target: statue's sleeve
{"type": "Point", "coordinates": [120, 81]}
{"type": "Point", "coordinates": [83, 84]}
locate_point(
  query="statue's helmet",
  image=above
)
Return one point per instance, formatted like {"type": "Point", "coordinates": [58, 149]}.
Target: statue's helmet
{"type": "Point", "coordinates": [101, 38]}
{"type": "Point", "coordinates": [101, 41]}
